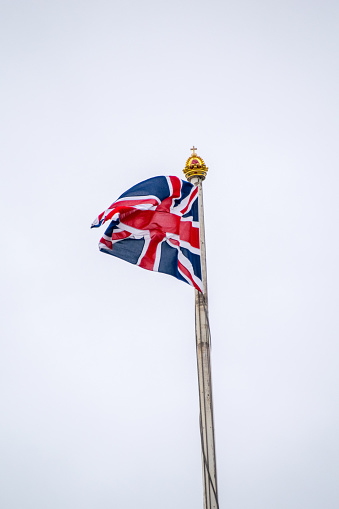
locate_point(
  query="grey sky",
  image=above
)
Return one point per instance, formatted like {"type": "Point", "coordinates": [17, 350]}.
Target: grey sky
{"type": "Point", "coordinates": [98, 394]}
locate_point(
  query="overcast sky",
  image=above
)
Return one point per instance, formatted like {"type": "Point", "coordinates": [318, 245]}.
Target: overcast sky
{"type": "Point", "coordinates": [99, 397]}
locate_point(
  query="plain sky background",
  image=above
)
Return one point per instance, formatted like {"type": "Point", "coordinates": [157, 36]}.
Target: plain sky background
{"type": "Point", "coordinates": [99, 398]}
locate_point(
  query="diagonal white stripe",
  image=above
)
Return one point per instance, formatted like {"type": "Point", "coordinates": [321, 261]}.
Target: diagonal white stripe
{"type": "Point", "coordinates": [158, 256]}
{"type": "Point", "coordinates": [130, 198]}
{"type": "Point", "coordinates": [177, 210]}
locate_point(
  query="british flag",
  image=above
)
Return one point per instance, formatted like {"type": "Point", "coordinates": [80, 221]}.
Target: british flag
{"type": "Point", "coordinates": [155, 225]}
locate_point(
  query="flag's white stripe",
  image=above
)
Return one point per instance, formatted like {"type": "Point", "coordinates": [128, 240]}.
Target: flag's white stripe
{"type": "Point", "coordinates": [136, 232]}
{"type": "Point", "coordinates": [195, 224]}
{"type": "Point", "coordinates": [120, 240]}
{"type": "Point", "coordinates": [157, 256]}
{"type": "Point", "coordinates": [145, 197]}
{"type": "Point", "coordinates": [187, 245]}
{"type": "Point", "coordinates": [145, 206]}
{"type": "Point", "coordinates": [183, 203]}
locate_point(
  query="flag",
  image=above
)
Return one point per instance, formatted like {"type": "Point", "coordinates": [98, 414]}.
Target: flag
{"type": "Point", "coordinates": [155, 224]}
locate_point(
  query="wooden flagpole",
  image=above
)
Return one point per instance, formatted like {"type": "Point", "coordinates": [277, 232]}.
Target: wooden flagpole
{"type": "Point", "coordinates": [195, 171]}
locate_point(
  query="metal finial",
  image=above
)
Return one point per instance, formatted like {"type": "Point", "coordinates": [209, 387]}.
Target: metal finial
{"type": "Point", "coordinates": [195, 166]}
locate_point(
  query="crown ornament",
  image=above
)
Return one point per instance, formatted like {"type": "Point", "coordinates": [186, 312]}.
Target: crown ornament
{"type": "Point", "coordinates": [195, 166]}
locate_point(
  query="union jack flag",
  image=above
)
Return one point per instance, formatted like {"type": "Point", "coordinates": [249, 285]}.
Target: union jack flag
{"type": "Point", "coordinates": [155, 225]}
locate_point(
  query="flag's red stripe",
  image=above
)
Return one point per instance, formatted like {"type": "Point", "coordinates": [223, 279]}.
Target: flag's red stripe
{"type": "Point", "coordinates": [176, 184]}
{"type": "Point", "coordinates": [120, 235]}
{"type": "Point", "coordinates": [189, 233]}
{"type": "Point", "coordinates": [159, 221]}
{"type": "Point", "coordinates": [167, 203]}
{"type": "Point", "coordinates": [175, 242]}
{"type": "Point", "coordinates": [188, 275]}
{"type": "Point", "coordinates": [148, 259]}
{"type": "Point", "coordinates": [107, 243]}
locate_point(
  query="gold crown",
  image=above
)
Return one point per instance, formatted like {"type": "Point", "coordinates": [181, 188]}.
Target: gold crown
{"type": "Point", "coordinates": [195, 166]}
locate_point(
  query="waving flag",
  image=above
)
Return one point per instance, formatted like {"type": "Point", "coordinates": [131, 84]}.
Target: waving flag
{"type": "Point", "coordinates": [155, 225]}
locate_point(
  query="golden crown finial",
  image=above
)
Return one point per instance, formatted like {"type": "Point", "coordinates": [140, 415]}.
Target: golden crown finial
{"type": "Point", "coordinates": [195, 166]}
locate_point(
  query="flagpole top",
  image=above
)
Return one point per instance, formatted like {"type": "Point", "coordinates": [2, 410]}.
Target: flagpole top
{"type": "Point", "coordinates": [195, 166]}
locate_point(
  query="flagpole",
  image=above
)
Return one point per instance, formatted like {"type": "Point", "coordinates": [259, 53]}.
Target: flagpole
{"type": "Point", "coordinates": [195, 171]}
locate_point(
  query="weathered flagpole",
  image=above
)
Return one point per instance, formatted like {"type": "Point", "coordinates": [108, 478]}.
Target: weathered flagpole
{"type": "Point", "coordinates": [195, 171]}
